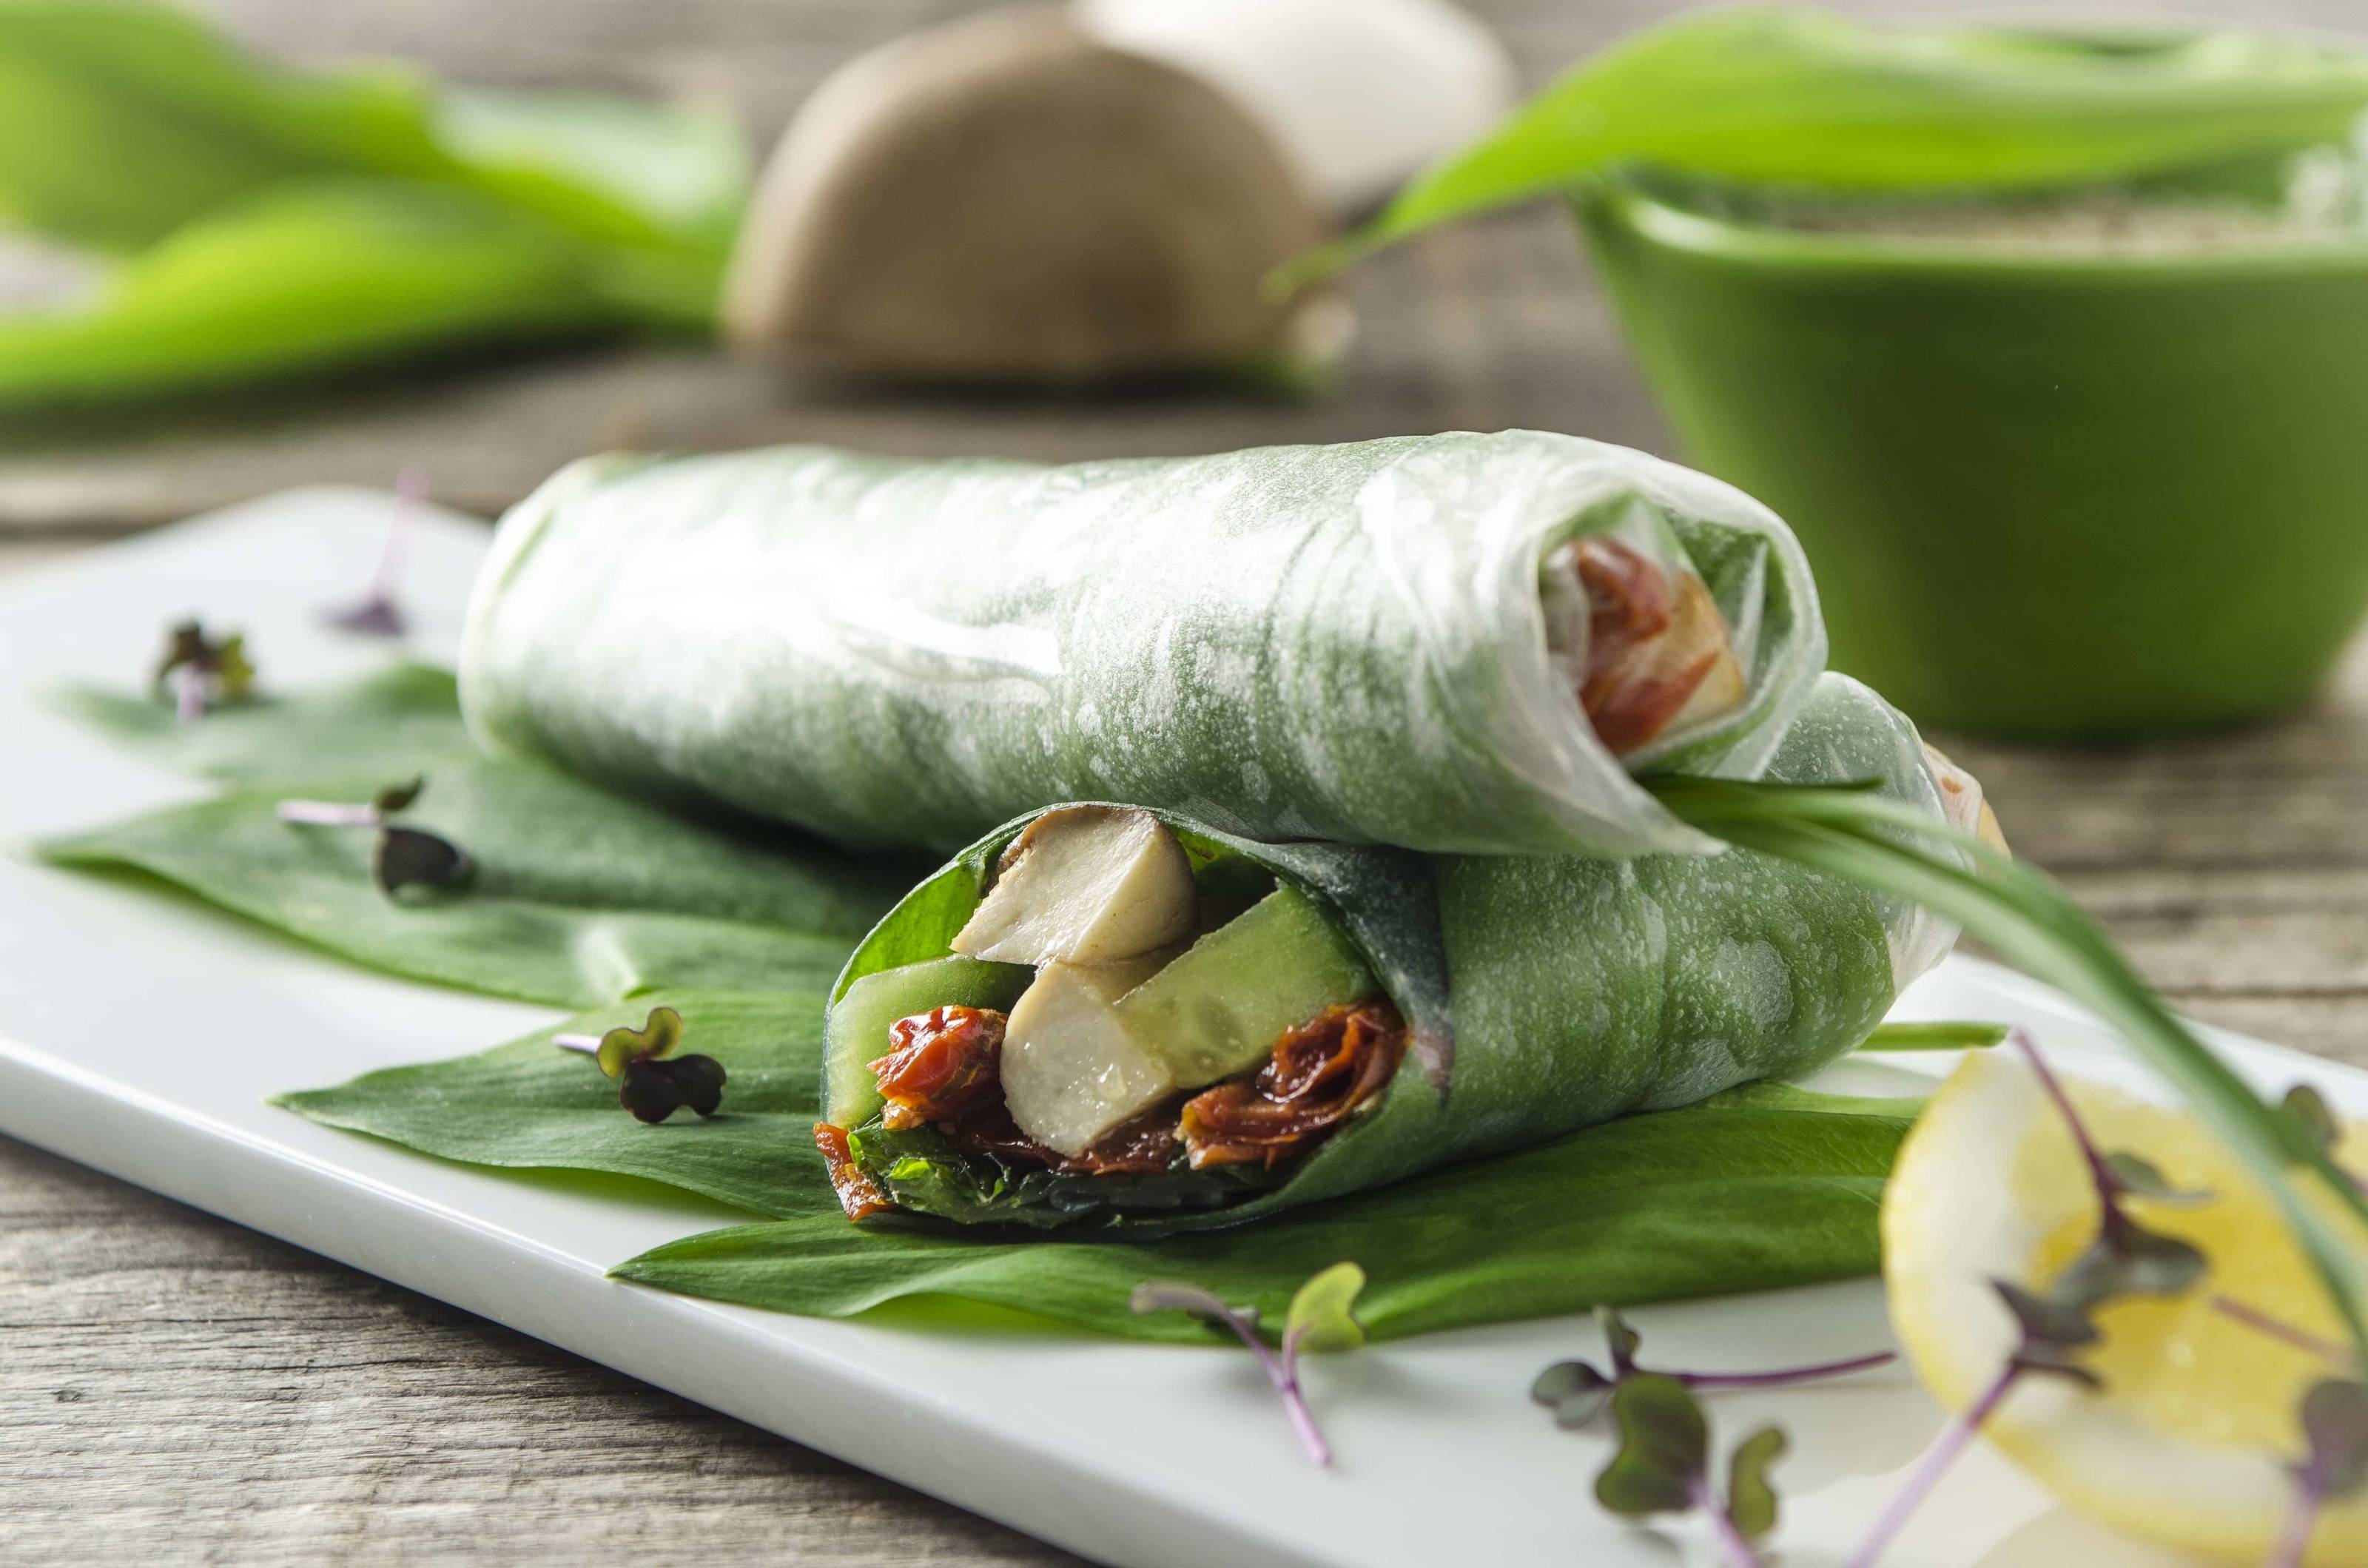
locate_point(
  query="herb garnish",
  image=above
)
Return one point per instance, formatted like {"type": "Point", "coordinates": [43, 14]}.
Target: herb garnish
{"type": "Point", "coordinates": [1895, 848]}
{"type": "Point", "coordinates": [2126, 1258]}
{"type": "Point", "coordinates": [377, 614]}
{"type": "Point", "coordinates": [1322, 1318]}
{"type": "Point", "coordinates": [1663, 1466]}
{"type": "Point", "coordinates": [1577, 1393]}
{"type": "Point", "coordinates": [2055, 1328]}
{"type": "Point", "coordinates": [2335, 1427]}
{"type": "Point", "coordinates": [406, 856]}
{"type": "Point", "coordinates": [1945, 1035]}
{"type": "Point", "coordinates": [196, 671]}
{"type": "Point", "coordinates": [652, 1081]}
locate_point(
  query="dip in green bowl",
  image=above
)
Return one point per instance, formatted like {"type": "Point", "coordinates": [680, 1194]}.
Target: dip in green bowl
{"type": "Point", "coordinates": [2052, 348]}
{"type": "Point", "coordinates": [2064, 466]}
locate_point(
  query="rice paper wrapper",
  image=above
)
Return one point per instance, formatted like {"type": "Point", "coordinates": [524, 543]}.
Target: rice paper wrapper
{"type": "Point", "coordinates": [1343, 642]}
{"type": "Point", "coordinates": [1548, 994]}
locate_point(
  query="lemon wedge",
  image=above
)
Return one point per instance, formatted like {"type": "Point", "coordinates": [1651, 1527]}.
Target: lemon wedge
{"type": "Point", "coordinates": [2190, 1439]}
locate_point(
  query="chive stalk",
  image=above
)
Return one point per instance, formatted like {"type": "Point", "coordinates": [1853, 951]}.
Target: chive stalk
{"type": "Point", "coordinates": [1894, 848]}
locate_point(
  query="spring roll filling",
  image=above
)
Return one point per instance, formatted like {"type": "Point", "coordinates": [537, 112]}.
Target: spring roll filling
{"type": "Point", "coordinates": [1649, 651]}
{"type": "Point", "coordinates": [1188, 1076]}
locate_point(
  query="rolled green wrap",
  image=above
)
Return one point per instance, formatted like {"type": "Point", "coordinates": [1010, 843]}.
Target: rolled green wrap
{"type": "Point", "coordinates": [1345, 643]}
{"type": "Point", "coordinates": [1542, 994]}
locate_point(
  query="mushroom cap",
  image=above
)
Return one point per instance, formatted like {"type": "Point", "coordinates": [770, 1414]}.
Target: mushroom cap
{"type": "Point", "coordinates": [1003, 198]}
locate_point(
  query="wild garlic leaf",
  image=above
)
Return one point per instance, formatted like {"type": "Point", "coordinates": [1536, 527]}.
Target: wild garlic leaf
{"type": "Point", "coordinates": [1664, 1449]}
{"type": "Point", "coordinates": [1750, 1496]}
{"type": "Point", "coordinates": [1322, 1317]}
{"type": "Point", "coordinates": [1795, 95]}
{"type": "Point", "coordinates": [1680, 1203]}
{"type": "Point", "coordinates": [123, 123]}
{"type": "Point", "coordinates": [398, 722]}
{"type": "Point", "coordinates": [321, 276]}
{"type": "Point", "coordinates": [527, 1105]}
{"type": "Point", "coordinates": [579, 897]}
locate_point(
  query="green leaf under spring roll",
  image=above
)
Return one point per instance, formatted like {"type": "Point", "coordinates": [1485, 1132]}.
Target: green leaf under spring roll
{"type": "Point", "coordinates": [530, 1106]}
{"type": "Point", "coordinates": [1348, 643]}
{"type": "Point", "coordinates": [1734, 1196]}
{"type": "Point", "coordinates": [579, 897]}
{"type": "Point", "coordinates": [1701, 1202]}
{"type": "Point", "coordinates": [397, 723]}
{"type": "Point", "coordinates": [1807, 97]}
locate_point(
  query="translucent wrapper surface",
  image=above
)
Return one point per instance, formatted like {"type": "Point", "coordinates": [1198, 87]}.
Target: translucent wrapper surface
{"type": "Point", "coordinates": [1547, 993]}
{"type": "Point", "coordinates": [1345, 643]}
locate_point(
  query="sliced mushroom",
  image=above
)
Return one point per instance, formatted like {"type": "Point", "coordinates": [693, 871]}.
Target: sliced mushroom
{"type": "Point", "coordinates": [1085, 885]}
{"type": "Point", "coordinates": [1004, 199]}
{"type": "Point", "coordinates": [1071, 1069]}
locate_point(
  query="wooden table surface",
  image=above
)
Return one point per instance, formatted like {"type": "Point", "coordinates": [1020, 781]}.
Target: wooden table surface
{"type": "Point", "coordinates": [176, 1388]}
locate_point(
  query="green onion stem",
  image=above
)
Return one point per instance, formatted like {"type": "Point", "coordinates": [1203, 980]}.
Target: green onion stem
{"type": "Point", "coordinates": [1894, 848]}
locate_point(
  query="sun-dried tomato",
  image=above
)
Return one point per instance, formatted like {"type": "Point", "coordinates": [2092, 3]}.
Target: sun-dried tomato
{"type": "Point", "coordinates": [1320, 1073]}
{"type": "Point", "coordinates": [1630, 688]}
{"type": "Point", "coordinates": [858, 1193]}
{"type": "Point", "coordinates": [941, 1063]}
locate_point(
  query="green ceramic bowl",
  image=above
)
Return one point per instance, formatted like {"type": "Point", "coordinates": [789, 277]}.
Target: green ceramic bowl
{"type": "Point", "coordinates": [2045, 497]}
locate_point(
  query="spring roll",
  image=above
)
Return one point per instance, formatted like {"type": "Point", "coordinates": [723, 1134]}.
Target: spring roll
{"type": "Point", "coordinates": [1105, 1016]}
{"type": "Point", "coordinates": [1457, 644]}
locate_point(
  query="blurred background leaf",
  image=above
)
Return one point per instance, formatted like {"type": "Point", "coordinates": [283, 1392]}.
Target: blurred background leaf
{"type": "Point", "coordinates": [276, 223]}
{"type": "Point", "coordinates": [311, 274]}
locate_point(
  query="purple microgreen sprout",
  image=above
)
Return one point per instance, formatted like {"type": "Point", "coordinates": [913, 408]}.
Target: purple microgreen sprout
{"type": "Point", "coordinates": [2307, 1110]}
{"type": "Point", "coordinates": [2277, 1328]}
{"type": "Point", "coordinates": [2335, 1428]}
{"type": "Point", "coordinates": [2055, 1329]}
{"type": "Point", "coordinates": [1663, 1466]}
{"type": "Point", "coordinates": [377, 614]}
{"type": "Point", "coordinates": [196, 672]}
{"type": "Point", "coordinates": [2126, 1257]}
{"type": "Point", "coordinates": [405, 857]}
{"type": "Point", "coordinates": [1946, 1036]}
{"type": "Point", "coordinates": [652, 1081]}
{"type": "Point", "coordinates": [2052, 1334]}
{"type": "Point", "coordinates": [1577, 1393]}
{"type": "Point", "coordinates": [1322, 1318]}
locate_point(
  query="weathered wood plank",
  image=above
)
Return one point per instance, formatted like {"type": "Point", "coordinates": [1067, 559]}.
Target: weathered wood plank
{"type": "Point", "coordinates": [176, 1389]}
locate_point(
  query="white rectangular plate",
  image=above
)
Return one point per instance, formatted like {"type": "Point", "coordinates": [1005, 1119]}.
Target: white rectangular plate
{"type": "Point", "coordinates": [142, 1035]}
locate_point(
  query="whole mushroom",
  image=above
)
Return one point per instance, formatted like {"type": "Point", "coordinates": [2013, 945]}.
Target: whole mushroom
{"type": "Point", "coordinates": [1006, 199]}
